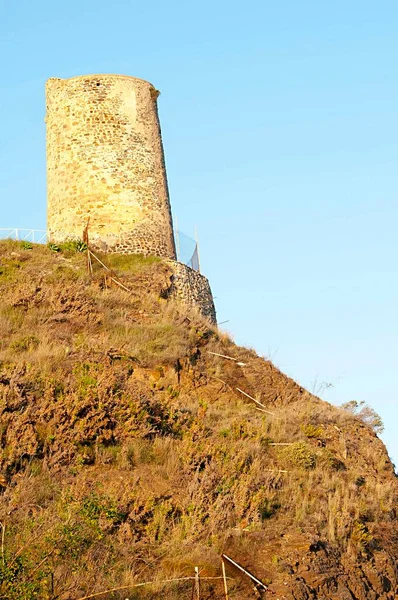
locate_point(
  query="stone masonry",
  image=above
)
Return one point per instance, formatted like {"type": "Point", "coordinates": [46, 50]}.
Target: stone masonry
{"type": "Point", "coordinates": [192, 288]}
{"type": "Point", "coordinates": [105, 167]}
{"type": "Point", "coordinates": [105, 163]}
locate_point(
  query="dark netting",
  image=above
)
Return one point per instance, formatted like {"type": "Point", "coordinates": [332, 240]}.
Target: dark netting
{"type": "Point", "coordinates": [187, 250]}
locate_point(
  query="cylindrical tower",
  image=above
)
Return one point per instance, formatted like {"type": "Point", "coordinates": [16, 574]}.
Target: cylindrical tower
{"type": "Point", "coordinates": [105, 165]}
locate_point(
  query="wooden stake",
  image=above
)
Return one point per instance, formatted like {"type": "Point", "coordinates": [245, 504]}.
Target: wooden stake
{"type": "Point", "coordinates": [241, 364]}
{"type": "Point", "coordinates": [281, 444]}
{"type": "Point", "coordinates": [197, 583]}
{"type": "Point", "coordinates": [85, 232]}
{"type": "Point", "coordinates": [276, 471]}
{"type": "Point", "coordinates": [262, 410]}
{"type": "Point", "coordinates": [89, 263]}
{"type": "Point", "coordinates": [3, 532]}
{"type": "Point", "coordinates": [136, 585]}
{"type": "Point", "coordinates": [256, 401]}
{"type": "Point", "coordinates": [246, 572]}
{"type": "Point", "coordinates": [120, 284]}
{"type": "Point", "coordinates": [108, 269]}
{"type": "Point", "coordinates": [100, 261]}
{"type": "Point", "coordinates": [224, 579]}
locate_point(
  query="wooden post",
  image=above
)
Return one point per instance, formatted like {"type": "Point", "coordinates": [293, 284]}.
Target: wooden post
{"type": "Point", "coordinates": [197, 583]}
{"type": "Point", "coordinates": [89, 263]}
{"type": "Point", "coordinates": [108, 269]}
{"type": "Point", "coordinates": [246, 572]}
{"type": "Point", "coordinates": [224, 576]}
{"type": "Point", "coordinates": [256, 401]}
{"type": "Point", "coordinates": [86, 241]}
{"type": "Point", "coordinates": [241, 364]}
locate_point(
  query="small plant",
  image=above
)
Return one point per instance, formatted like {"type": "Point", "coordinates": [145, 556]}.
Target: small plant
{"type": "Point", "coordinates": [366, 413]}
{"type": "Point", "coordinates": [361, 536]}
{"type": "Point", "coordinates": [86, 378]}
{"type": "Point", "coordinates": [94, 507]}
{"type": "Point", "coordinates": [72, 246]}
{"type": "Point", "coordinates": [73, 540]}
{"type": "Point", "coordinates": [27, 246]}
{"type": "Point", "coordinates": [312, 431]}
{"type": "Point", "coordinates": [54, 247]}
{"type": "Point", "coordinates": [16, 580]}
{"type": "Point", "coordinates": [300, 455]}
{"type": "Point", "coordinates": [25, 344]}
{"type": "Point", "coordinates": [267, 509]}
{"type": "Point", "coordinates": [172, 392]}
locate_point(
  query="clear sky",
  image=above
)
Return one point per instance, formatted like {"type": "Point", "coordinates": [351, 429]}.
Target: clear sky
{"type": "Point", "coordinates": [280, 130]}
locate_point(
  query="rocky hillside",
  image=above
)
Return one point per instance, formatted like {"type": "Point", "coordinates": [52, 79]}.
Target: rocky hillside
{"type": "Point", "coordinates": [131, 452]}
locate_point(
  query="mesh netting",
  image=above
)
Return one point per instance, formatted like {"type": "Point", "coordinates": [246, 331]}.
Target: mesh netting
{"type": "Point", "coordinates": [187, 250]}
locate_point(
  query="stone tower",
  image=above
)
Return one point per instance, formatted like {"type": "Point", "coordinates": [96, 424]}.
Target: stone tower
{"type": "Point", "coordinates": [105, 164]}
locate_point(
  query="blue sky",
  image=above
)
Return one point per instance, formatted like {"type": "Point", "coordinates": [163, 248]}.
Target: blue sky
{"type": "Point", "coordinates": [280, 130]}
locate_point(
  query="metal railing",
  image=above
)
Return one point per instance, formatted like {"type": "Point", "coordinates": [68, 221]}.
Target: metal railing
{"type": "Point", "coordinates": [36, 236]}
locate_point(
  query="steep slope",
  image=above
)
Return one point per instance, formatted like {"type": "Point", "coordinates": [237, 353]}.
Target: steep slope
{"type": "Point", "coordinates": [132, 452]}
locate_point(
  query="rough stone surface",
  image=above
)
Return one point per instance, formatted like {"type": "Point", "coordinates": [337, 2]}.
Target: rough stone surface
{"type": "Point", "coordinates": [105, 163]}
{"type": "Point", "coordinates": [192, 288]}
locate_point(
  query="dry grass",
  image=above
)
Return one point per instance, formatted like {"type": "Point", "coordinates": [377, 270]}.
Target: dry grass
{"type": "Point", "coordinates": [130, 455]}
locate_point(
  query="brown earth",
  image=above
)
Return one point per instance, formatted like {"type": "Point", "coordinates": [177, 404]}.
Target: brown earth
{"type": "Point", "coordinates": [129, 455]}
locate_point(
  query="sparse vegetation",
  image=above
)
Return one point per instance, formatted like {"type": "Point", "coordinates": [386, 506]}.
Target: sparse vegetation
{"type": "Point", "coordinates": [128, 455]}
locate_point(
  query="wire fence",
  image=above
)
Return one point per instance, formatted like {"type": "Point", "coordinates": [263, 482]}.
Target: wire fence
{"type": "Point", "coordinates": [187, 247]}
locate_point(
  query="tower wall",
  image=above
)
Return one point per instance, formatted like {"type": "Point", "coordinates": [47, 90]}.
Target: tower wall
{"type": "Point", "coordinates": [105, 164]}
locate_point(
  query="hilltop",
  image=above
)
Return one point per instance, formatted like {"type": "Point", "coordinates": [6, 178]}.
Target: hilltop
{"type": "Point", "coordinates": [129, 452]}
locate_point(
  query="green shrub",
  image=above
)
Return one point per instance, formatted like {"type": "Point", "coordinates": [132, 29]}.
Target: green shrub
{"type": "Point", "coordinates": [267, 509]}
{"type": "Point", "coordinates": [16, 581]}
{"type": "Point", "coordinates": [25, 344]}
{"type": "Point", "coordinates": [360, 535]}
{"type": "Point", "coordinates": [95, 506]}
{"type": "Point", "coordinates": [72, 246]}
{"type": "Point", "coordinates": [312, 431]}
{"type": "Point", "coordinates": [299, 455]}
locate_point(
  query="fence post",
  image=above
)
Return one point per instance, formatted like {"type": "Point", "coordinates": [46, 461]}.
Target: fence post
{"type": "Point", "coordinates": [197, 583]}
{"type": "Point", "coordinates": [197, 248]}
{"type": "Point", "coordinates": [224, 576]}
{"type": "Point", "coordinates": [177, 241]}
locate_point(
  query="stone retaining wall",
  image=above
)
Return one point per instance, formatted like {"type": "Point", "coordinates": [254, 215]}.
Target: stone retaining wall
{"type": "Point", "coordinates": [192, 288]}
